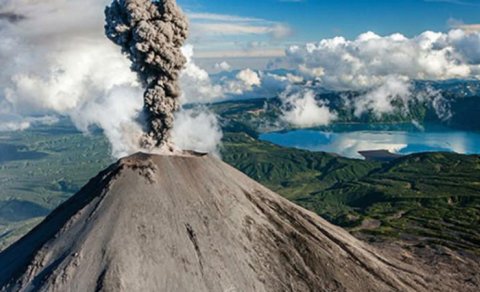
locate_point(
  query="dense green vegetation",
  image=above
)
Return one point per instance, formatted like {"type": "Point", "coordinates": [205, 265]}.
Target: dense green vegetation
{"type": "Point", "coordinates": [431, 196]}
{"type": "Point", "coordinates": [295, 172]}
{"type": "Point", "coordinates": [42, 167]}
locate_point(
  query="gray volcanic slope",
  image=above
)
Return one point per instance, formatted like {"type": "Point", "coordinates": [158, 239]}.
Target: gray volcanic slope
{"type": "Point", "coordinates": [191, 223]}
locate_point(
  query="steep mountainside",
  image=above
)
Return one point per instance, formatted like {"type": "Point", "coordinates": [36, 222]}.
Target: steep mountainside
{"type": "Point", "coordinates": [165, 223]}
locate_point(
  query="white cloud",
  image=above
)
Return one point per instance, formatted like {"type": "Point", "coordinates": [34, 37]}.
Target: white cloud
{"type": "Point", "coordinates": [222, 66]}
{"type": "Point", "coordinates": [222, 36]}
{"type": "Point", "coordinates": [196, 16]}
{"type": "Point", "coordinates": [249, 77]}
{"type": "Point", "coordinates": [366, 61]}
{"type": "Point", "coordinates": [198, 87]}
{"type": "Point", "coordinates": [440, 104]}
{"type": "Point", "coordinates": [301, 109]}
{"type": "Point", "coordinates": [238, 29]}
{"type": "Point", "coordinates": [467, 45]}
{"type": "Point", "coordinates": [469, 28]}
{"type": "Point", "coordinates": [204, 24]}
{"type": "Point", "coordinates": [242, 53]}
{"type": "Point", "coordinates": [384, 66]}
{"type": "Point", "coordinates": [381, 99]}
{"type": "Point", "coordinates": [196, 83]}
{"type": "Point", "coordinates": [245, 81]}
{"type": "Point", "coordinates": [9, 122]}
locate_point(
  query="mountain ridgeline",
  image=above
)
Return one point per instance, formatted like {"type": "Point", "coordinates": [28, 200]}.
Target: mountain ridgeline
{"type": "Point", "coordinates": [460, 103]}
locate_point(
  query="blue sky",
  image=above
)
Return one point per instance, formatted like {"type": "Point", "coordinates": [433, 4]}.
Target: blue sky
{"type": "Point", "coordinates": [300, 21]}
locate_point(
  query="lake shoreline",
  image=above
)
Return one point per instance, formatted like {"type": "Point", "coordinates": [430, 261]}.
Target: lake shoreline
{"type": "Point", "coordinates": [348, 140]}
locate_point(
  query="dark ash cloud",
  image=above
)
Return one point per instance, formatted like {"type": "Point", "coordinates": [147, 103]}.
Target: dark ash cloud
{"type": "Point", "coordinates": [151, 34]}
{"type": "Point", "coordinates": [11, 17]}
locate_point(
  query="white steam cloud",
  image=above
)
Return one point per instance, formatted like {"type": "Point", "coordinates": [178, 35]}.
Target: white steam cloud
{"type": "Point", "coordinates": [197, 129]}
{"type": "Point", "coordinates": [381, 99]}
{"type": "Point", "coordinates": [56, 60]}
{"type": "Point", "coordinates": [122, 130]}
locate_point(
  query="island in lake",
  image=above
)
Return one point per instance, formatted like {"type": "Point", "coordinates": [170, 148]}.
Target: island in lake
{"type": "Point", "coordinates": [379, 155]}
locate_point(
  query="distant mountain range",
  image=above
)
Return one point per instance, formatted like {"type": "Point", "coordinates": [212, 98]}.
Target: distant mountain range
{"type": "Point", "coordinates": [460, 105]}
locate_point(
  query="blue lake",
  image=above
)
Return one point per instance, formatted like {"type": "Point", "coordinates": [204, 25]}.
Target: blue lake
{"type": "Point", "coordinates": [347, 140]}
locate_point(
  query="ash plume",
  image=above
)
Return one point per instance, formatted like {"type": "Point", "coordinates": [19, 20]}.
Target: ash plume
{"type": "Point", "coordinates": [11, 17]}
{"type": "Point", "coordinates": [151, 33]}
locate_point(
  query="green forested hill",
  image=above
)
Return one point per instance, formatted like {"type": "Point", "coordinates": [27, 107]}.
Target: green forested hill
{"type": "Point", "coordinates": [431, 196]}
{"type": "Point", "coordinates": [296, 172]}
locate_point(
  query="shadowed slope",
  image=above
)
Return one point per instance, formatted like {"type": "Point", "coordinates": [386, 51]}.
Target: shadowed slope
{"type": "Point", "coordinates": [191, 223]}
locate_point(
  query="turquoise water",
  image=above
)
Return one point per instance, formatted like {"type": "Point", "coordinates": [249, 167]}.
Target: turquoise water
{"type": "Point", "coordinates": [347, 140]}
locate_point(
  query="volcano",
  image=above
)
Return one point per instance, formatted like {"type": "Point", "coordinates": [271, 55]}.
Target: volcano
{"type": "Point", "coordinates": [192, 223]}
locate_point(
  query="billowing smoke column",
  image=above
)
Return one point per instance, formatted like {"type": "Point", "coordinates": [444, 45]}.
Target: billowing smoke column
{"type": "Point", "coordinates": [151, 33]}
